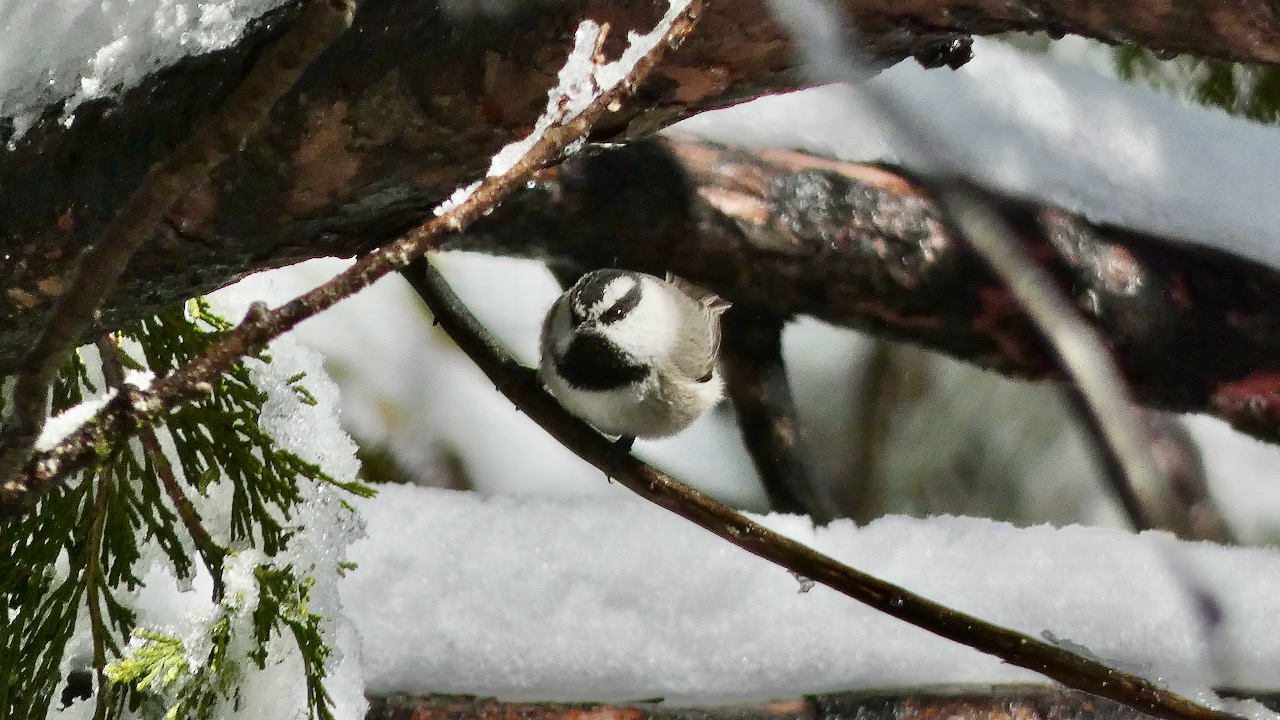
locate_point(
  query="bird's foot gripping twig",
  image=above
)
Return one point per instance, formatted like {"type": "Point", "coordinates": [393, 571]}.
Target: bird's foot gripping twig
{"type": "Point", "coordinates": [618, 452]}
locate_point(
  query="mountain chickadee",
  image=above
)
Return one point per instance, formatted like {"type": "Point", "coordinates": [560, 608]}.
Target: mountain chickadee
{"type": "Point", "coordinates": [632, 354]}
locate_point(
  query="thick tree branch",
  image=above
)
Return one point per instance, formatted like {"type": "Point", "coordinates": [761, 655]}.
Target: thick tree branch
{"type": "Point", "coordinates": [521, 386]}
{"type": "Point", "coordinates": [1008, 702]}
{"type": "Point", "coordinates": [564, 125]}
{"type": "Point", "coordinates": [757, 385]}
{"type": "Point", "coordinates": [414, 101]}
{"type": "Point", "coordinates": [1192, 329]}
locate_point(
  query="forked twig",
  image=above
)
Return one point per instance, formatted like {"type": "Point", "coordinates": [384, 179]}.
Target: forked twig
{"type": "Point", "coordinates": [125, 412]}
{"type": "Point", "coordinates": [521, 386]}
{"type": "Point", "coordinates": [96, 273]}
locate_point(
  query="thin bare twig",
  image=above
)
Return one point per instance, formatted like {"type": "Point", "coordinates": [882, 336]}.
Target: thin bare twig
{"type": "Point", "coordinates": [95, 583]}
{"type": "Point", "coordinates": [94, 589]}
{"type": "Point", "coordinates": [212, 554]}
{"type": "Point", "coordinates": [520, 385]}
{"type": "Point", "coordinates": [756, 382]}
{"type": "Point", "coordinates": [126, 412]}
{"type": "Point", "coordinates": [279, 67]}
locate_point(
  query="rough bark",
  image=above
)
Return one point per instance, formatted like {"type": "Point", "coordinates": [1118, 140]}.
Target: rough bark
{"type": "Point", "coordinates": [405, 107]}
{"type": "Point", "coordinates": [1192, 329]}
{"type": "Point", "coordinates": [412, 102]}
{"type": "Point", "coordinates": [1018, 702]}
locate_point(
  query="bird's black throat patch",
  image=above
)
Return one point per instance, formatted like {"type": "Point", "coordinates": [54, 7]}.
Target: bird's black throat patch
{"type": "Point", "coordinates": [593, 363]}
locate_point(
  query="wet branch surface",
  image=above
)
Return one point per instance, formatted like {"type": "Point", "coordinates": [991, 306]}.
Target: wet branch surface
{"type": "Point", "coordinates": [1191, 329]}
{"type": "Point", "coordinates": [520, 385]}
{"type": "Point", "coordinates": [1010, 702]}
{"type": "Point", "coordinates": [756, 382]}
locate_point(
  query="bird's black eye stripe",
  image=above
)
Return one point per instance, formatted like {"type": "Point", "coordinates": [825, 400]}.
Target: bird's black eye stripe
{"type": "Point", "coordinates": [623, 307]}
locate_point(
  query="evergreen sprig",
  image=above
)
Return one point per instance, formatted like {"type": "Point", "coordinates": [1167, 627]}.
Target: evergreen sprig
{"type": "Point", "coordinates": [1247, 90]}
{"type": "Point", "coordinates": [66, 566]}
{"type": "Point", "coordinates": [282, 604]}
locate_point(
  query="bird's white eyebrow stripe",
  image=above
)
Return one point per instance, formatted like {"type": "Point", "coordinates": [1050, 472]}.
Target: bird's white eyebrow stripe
{"type": "Point", "coordinates": [623, 307]}
{"type": "Point", "coordinates": [618, 289]}
{"type": "Point", "coordinates": [586, 295]}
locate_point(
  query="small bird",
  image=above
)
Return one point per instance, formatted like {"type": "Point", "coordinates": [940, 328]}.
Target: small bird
{"type": "Point", "coordinates": [632, 354]}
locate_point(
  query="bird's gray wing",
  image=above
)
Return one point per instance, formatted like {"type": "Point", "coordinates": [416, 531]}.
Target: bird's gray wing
{"type": "Point", "coordinates": [702, 363]}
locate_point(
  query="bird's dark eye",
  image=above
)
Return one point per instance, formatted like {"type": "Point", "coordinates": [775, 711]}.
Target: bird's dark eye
{"type": "Point", "coordinates": [613, 314]}
{"type": "Point", "coordinates": [623, 306]}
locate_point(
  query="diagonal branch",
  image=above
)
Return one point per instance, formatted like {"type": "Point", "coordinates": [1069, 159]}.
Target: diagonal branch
{"type": "Point", "coordinates": [125, 413]}
{"type": "Point", "coordinates": [100, 267]}
{"type": "Point", "coordinates": [520, 385]}
{"type": "Point", "coordinates": [1113, 420]}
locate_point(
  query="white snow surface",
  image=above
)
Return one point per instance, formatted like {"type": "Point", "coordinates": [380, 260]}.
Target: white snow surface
{"type": "Point", "coordinates": [1038, 128]}
{"type": "Point", "coordinates": [57, 428]}
{"type": "Point", "coordinates": [76, 50]}
{"type": "Point", "coordinates": [612, 598]}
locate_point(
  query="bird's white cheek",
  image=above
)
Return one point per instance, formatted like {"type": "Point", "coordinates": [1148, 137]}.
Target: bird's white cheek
{"type": "Point", "coordinates": [646, 333]}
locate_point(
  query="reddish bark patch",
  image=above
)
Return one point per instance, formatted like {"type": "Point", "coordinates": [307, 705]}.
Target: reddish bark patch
{"type": "Point", "coordinates": [999, 309]}
{"type": "Point", "coordinates": [1255, 397]}
{"type": "Point", "coordinates": [323, 166]}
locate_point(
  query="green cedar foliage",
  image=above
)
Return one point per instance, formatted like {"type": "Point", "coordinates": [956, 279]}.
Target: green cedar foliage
{"type": "Point", "coordinates": [71, 563]}
{"type": "Point", "coordinates": [1248, 90]}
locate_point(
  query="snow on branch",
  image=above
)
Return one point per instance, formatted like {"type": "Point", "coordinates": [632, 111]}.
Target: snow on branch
{"type": "Point", "coordinates": [583, 80]}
